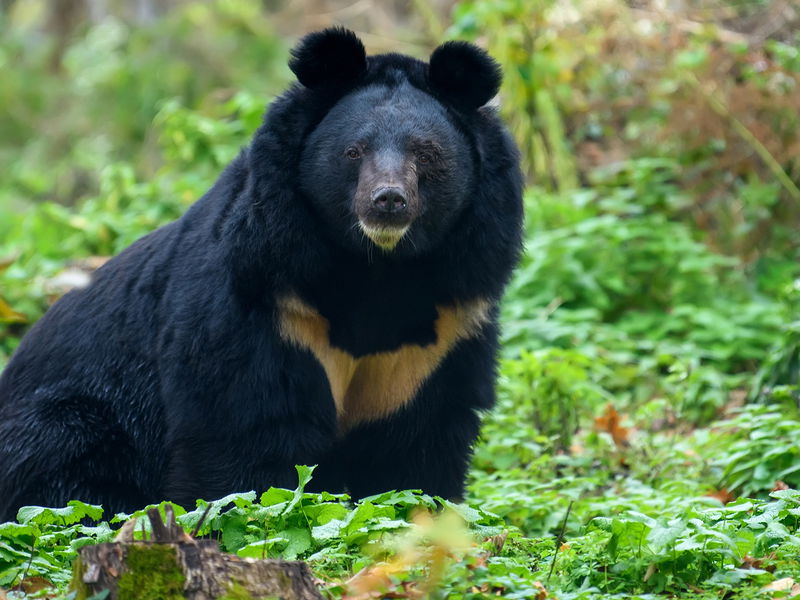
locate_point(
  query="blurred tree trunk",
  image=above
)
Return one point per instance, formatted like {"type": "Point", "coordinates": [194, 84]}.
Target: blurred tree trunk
{"type": "Point", "coordinates": [64, 17]}
{"type": "Point", "coordinates": [62, 20]}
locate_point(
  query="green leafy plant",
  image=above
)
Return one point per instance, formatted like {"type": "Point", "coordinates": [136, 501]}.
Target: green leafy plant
{"type": "Point", "coordinates": [764, 449]}
{"type": "Point", "coordinates": [659, 278]}
{"type": "Point", "coordinates": [44, 541]}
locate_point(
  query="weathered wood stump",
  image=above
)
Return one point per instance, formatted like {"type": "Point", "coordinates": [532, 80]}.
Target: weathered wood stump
{"type": "Point", "coordinates": [174, 566]}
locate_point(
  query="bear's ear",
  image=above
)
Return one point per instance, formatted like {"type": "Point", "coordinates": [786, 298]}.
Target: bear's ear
{"type": "Point", "coordinates": [332, 58]}
{"type": "Point", "coordinates": [464, 74]}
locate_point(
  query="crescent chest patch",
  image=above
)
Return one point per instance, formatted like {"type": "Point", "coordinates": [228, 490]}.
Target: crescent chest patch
{"type": "Point", "coordinates": [374, 386]}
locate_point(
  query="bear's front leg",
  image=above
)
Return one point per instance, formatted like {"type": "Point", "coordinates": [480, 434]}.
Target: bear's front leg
{"type": "Point", "coordinates": [209, 466]}
{"type": "Point", "coordinates": [426, 445]}
{"type": "Point", "coordinates": [263, 407]}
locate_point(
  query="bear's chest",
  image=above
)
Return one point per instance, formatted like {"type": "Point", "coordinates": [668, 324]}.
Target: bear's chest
{"type": "Point", "coordinates": [370, 386]}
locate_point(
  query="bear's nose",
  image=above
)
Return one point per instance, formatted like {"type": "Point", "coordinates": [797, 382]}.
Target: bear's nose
{"type": "Point", "coordinates": [389, 200]}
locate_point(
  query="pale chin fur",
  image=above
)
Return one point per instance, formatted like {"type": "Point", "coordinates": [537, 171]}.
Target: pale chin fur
{"type": "Point", "coordinates": [386, 238]}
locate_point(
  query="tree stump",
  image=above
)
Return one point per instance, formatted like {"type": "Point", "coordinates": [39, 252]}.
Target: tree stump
{"type": "Point", "coordinates": [175, 566]}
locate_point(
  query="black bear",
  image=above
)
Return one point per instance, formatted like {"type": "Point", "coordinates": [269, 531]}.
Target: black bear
{"type": "Point", "coordinates": [332, 300]}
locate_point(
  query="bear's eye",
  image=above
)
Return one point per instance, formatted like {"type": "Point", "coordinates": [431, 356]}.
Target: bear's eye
{"type": "Point", "coordinates": [424, 158]}
{"type": "Point", "coordinates": [353, 153]}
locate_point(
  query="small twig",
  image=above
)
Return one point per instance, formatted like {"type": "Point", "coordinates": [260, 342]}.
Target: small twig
{"type": "Point", "coordinates": [559, 539]}
{"type": "Point", "coordinates": [772, 164]}
{"type": "Point", "coordinates": [197, 527]}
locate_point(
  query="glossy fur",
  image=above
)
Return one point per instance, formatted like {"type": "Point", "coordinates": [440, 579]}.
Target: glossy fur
{"type": "Point", "coordinates": [172, 376]}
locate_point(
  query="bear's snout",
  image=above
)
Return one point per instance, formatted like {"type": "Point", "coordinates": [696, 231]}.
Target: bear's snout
{"type": "Point", "coordinates": [390, 200]}
{"type": "Point", "coordinates": [386, 201]}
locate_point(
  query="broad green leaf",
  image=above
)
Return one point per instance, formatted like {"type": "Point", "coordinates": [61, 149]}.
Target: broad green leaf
{"type": "Point", "coordinates": [322, 513]}
{"type": "Point", "coordinates": [469, 514]}
{"type": "Point", "coordinates": [663, 535]}
{"type": "Point", "coordinates": [299, 540]}
{"type": "Point", "coordinates": [275, 496]}
{"type": "Point", "coordinates": [233, 531]}
{"type": "Point", "coordinates": [329, 530]}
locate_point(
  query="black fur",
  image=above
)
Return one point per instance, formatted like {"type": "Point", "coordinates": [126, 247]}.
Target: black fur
{"type": "Point", "coordinates": [166, 378]}
{"type": "Point", "coordinates": [332, 57]}
{"type": "Point", "coordinates": [464, 74]}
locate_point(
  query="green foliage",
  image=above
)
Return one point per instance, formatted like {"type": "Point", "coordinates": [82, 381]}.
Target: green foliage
{"type": "Point", "coordinates": [665, 549]}
{"type": "Point", "coordinates": [656, 297]}
{"type": "Point", "coordinates": [764, 447]}
{"type": "Point", "coordinates": [612, 254]}
{"type": "Point", "coordinates": [537, 80]}
{"type": "Point", "coordinates": [296, 524]}
{"type": "Point", "coordinates": [595, 86]}
{"type": "Point", "coordinates": [124, 208]}
{"type": "Point", "coordinates": [44, 541]}
{"type": "Point", "coordinates": [779, 374]}
{"type": "Point", "coordinates": [115, 78]}
{"type": "Point", "coordinates": [699, 546]}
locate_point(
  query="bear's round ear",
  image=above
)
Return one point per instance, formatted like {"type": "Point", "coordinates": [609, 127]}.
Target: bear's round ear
{"type": "Point", "coordinates": [464, 74]}
{"type": "Point", "coordinates": [331, 58]}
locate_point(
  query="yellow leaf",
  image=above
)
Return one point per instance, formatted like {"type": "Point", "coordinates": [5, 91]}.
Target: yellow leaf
{"type": "Point", "coordinates": [8, 315]}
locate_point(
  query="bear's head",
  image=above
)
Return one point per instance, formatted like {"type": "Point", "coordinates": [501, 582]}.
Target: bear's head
{"type": "Point", "coordinates": [392, 161]}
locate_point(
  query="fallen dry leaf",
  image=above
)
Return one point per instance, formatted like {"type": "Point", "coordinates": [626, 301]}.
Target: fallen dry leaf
{"type": "Point", "coordinates": [779, 485]}
{"type": "Point", "coordinates": [541, 594]}
{"type": "Point", "coordinates": [651, 570]}
{"type": "Point", "coordinates": [480, 561]}
{"type": "Point", "coordinates": [31, 585]}
{"type": "Point", "coordinates": [610, 422]}
{"type": "Point", "coordinates": [477, 590]}
{"type": "Point", "coordinates": [749, 562]}
{"type": "Point", "coordinates": [723, 495]}
{"type": "Point", "coordinates": [369, 582]}
{"type": "Point", "coordinates": [787, 584]}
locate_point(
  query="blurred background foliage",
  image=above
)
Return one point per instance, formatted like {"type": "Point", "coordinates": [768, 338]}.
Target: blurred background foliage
{"type": "Point", "coordinates": [661, 277]}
